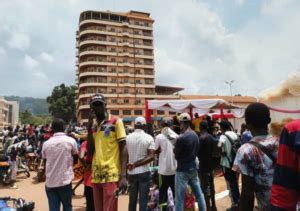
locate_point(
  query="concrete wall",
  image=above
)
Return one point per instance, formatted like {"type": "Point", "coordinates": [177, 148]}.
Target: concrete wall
{"type": "Point", "coordinates": [14, 110]}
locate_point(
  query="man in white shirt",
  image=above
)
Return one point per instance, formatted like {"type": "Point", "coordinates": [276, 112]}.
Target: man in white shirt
{"type": "Point", "coordinates": [59, 152]}
{"type": "Point", "coordinates": [164, 145]}
{"type": "Point", "coordinates": [140, 146]}
{"type": "Point", "coordinates": [227, 141]}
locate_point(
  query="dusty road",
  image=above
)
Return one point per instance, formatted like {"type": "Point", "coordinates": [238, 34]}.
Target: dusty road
{"type": "Point", "coordinates": [33, 191]}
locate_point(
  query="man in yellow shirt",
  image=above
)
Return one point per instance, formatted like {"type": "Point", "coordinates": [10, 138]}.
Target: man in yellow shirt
{"type": "Point", "coordinates": [196, 123]}
{"type": "Point", "coordinates": [107, 144]}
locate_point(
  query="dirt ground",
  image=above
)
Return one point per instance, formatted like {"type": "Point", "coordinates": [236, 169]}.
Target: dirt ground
{"type": "Point", "coordinates": [30, 190]}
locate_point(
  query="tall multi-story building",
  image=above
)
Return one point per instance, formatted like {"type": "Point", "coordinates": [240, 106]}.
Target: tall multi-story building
{"type": "Point", "coordinates": [115, 58]}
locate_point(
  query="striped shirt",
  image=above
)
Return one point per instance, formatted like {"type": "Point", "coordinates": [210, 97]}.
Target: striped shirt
{"type": "Point", "coordinates": [138, 143]}
{"type": "Point", "coordinates": [286, 183]}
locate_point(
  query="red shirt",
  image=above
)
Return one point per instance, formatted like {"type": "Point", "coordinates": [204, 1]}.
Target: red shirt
{"type": "Point", "coordinates": [88, 172]}
{"type": "Point", "coordinates": [30, 131]}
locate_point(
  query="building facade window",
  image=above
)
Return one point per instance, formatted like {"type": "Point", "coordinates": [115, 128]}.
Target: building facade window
{"type": "Point", "coordinates": [126, 112]}
{"type": "Point", "coordinates": [138, 102]}
{"type": "Point", "coordinates": [114, 112]}
{"type": "Point", "coordinates": [138, 112]}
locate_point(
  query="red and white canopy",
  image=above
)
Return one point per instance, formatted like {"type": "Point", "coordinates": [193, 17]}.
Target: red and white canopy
{"type": "Point", "coordinates": [202, 107]}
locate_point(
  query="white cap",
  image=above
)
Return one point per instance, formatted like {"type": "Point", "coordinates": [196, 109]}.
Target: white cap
{"type": "Point", "coordinates": [140, 121]}
{"type": "Point", "coordinates": [184, 117]}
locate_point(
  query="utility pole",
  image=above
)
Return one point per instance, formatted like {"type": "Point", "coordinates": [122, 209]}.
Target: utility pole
{"type": "Point", "coordinates": [230, 86]}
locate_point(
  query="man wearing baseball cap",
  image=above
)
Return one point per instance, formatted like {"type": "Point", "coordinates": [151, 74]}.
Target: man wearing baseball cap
{"type": "Point", "coordinates": [186, 150]}
{"type": "Point", "coordinates": [107, 145]}
{"type": "Point", "coordinates": [141, 152]}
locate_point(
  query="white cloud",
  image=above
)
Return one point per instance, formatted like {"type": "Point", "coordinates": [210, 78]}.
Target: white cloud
{"type": "Point", "coordinates": [195, 47]}
{"type": "Point", "coordinates": [19, 40]}
{"type": "Point", "coordinates": [275, 7]}
{"type": "Point", "coordinates": [46, 57]}
{"type": "Point", "coordinates": [40, 75]}
{"type": "Point", "coordinates": [2, 52]}
{"type": "Point", "coordinates": [240, 2]}
{"type": "Point", "coordinates": [29, 62]}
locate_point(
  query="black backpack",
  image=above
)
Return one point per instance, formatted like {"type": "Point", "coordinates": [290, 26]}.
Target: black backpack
{"type": "Point", "coordinates": [235, 145]}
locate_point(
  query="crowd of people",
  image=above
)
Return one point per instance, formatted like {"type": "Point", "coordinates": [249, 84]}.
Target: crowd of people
{"type": "Point", "coordinates": [175, 168]}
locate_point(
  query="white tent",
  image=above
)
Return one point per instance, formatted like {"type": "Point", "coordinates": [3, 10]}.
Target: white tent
{"type": "Point", "coordinates": [202, 107]}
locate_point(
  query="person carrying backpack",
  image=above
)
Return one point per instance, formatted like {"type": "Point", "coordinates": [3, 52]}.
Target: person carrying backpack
{"type": "Point", "coordinates": [229, 143]}
{"type": "Point", "coordinates": [256, 159]}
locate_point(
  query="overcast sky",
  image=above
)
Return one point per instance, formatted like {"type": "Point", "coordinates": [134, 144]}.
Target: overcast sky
{"type": "Point", "coordinates": [198, 44]}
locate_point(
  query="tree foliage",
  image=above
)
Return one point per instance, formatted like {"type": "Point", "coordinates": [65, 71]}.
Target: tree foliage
{"type": "Point", "coordinates": [27, 118]}
{"type": "Point", "coordinates": [62, 102]}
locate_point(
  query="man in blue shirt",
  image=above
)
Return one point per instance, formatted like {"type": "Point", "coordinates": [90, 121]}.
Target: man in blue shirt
{"type": "Point", "coordinates": [186, 150]}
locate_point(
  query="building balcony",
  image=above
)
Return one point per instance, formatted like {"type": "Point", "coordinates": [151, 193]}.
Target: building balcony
{"type": "Point", "coordinates": [97, 74]}
{"type": "Point", "coordinates": [95, 31]}
{"type": "Point", "coordinates": [145, 66]}
{"type": "Point", "coordinates": [144, 47]}
{"type": "Point", "coordinates": [140, 27]}
{"type": "Point", "coordinates": [96, 42]}
{"type": "Point", "coordinates": [125, 23]}
{"type": "Point", "coordinates": [103, 31]}
{"type": "Point", "coordinates": [144, 56]}
{"type": "Point", "coordinates": [96, 52]}
{"type": "Point", "coordinates": [125, 54]}
{"type": "Point", "coordinates": [93, 21]}
{"type": "Point", "coordinates": [89, 84]}
{"type": "Point", "coordinates": [110, 53]}
{"type": "Point", "coordinates": [126, 85]}
{"type": "Point", "coordinates": [88, 95]}
{"type": "Point", "coordinates": [142, 36]}
{"type": "Point", "coordinates": [96, 63]}
{"type": "Point", "coordinates": [126, 95]}
{"type": "Point", "coordinates": [81, 107]}
{"type": "Point", "coordinates": [84, 95]}
{"type": "Point", "coordinates": [127, 34]}
{"type": "Point", "coordinates": [145, 85]}
{"type": "Point", "coordinates": [144, 76]}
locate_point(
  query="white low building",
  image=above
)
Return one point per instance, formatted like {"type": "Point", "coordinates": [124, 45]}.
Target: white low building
{"type": "Point", "coordinates": [284, 98]}
{"type": "Point", "coordinates": [9, 113]}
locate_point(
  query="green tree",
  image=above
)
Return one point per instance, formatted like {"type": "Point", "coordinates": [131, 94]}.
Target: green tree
{"type": "Point", "coordinates": [25, 117]}
{"type": "Point", "coordinates": [62, 102]}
